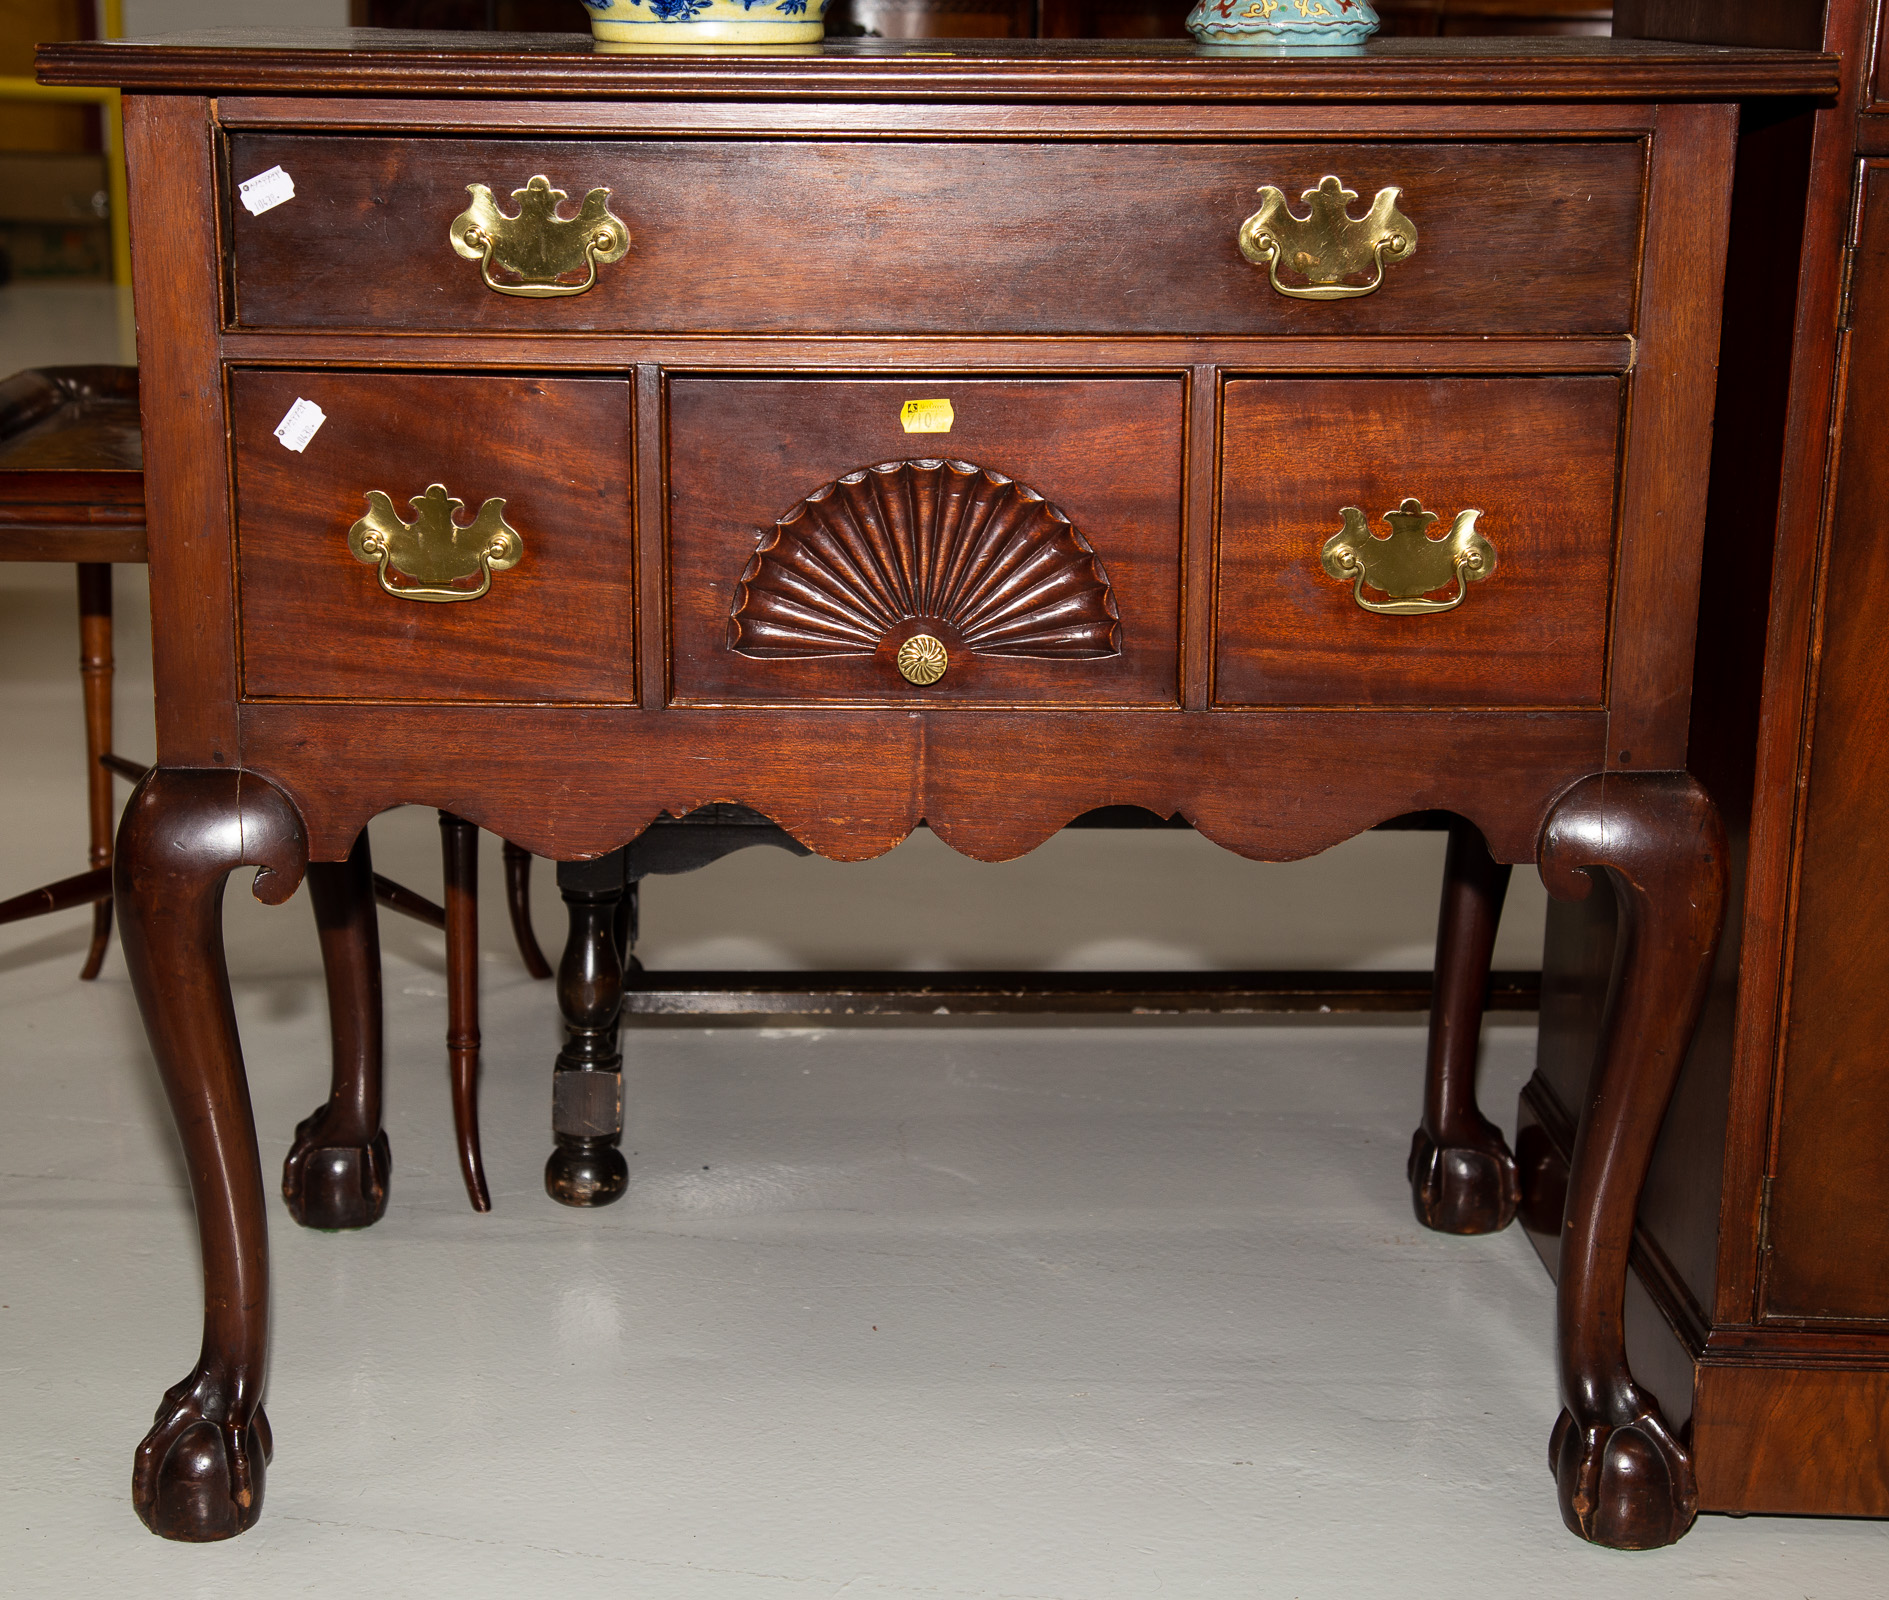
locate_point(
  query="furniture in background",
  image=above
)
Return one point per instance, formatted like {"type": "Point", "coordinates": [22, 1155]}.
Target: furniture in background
{"type": "Point", "coordinates": [1459, 19]}
{"type": "Point", "coordinates": [72, 489]}
{"type": "Point", "coordinates": [678, 846]}
{"type": "Point", "coordinates": [1015, 19]}
{"type": "Point", "coordinates": [1758, 1305]}
{"type": "Point", "coordinates": [1141, 569]}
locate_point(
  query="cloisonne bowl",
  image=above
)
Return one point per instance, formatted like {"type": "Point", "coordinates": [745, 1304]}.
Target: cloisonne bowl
{"type": "Point", "coordinates": [687, 22]}
{"type": "Point", "coordinates": [1283, 24]}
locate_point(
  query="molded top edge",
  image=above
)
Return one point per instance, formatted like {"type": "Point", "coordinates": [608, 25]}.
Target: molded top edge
{"type": "Point", "coordinates": [367, 60]}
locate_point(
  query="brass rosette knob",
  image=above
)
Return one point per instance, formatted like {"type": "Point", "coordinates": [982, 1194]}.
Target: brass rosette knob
{"type": "Point", "coordinates": [435, 550]}
{"type": "Point", "coordinates": [1327, 247]}
{"type": "Point", "coordinates": [922, 660]}
{"type": "Point", "coordinates": [537, 251]}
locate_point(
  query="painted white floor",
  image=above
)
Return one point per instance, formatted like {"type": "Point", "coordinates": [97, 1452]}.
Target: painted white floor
{"type": "Point", "coordinates": [1125, 1310]}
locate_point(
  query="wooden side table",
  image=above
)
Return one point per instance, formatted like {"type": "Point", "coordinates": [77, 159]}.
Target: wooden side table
{"type": "Point", "coordinates": [72, 489]}
{"type": "Point", "coordinates": [881, 435]}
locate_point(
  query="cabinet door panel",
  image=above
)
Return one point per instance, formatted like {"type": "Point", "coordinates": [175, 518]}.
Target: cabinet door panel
{"type": "Point", "coordinates": [1828, 1232]}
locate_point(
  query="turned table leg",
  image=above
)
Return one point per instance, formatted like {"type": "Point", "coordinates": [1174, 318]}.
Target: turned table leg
{"type": "Point", "coordinates": [587, 1168]}
{"type": "Point", "coordinates": [1625, 1479]}
{"type": "Point", "coordinates": [1462, 1175]}
{"type": "Point", "coordinates": [459, 850]}
{"type": "Point", "coordinates": [95, 681]}
{"type": "Point", "coordinates": [337, 1169]}
{"type": "Point", "coordinates": [198, 1474]}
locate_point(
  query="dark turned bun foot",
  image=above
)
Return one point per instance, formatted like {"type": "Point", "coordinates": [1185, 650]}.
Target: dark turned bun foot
{"type": "Point", "coordinates": [335, 1186]}
{"type": "Point", "coordinates": [585, 1172]}
{"type": "Point", "coordinates": [196, 1478]}
{"type": "Point", "coordinates": [1464, 1189]}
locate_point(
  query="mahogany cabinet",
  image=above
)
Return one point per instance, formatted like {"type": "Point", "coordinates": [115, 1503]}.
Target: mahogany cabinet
{"type": "Point", "coordinates": [1759, 1306]}
{"type": "Point", "coordinates": [980, 436]}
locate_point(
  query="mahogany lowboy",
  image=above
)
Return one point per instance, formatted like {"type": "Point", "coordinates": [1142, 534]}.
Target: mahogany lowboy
{"type": "Point", "coordinates": [738, 575]}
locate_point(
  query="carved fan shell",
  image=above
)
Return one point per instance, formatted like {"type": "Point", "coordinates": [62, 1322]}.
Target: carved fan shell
{"type": "Point", "coordinates": [944, 541]}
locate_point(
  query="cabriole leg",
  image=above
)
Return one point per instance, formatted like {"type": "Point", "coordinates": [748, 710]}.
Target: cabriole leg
{"type": "Point", "coordinates": [518, 904]}
{"type": "Point", "coordinates": [1462, 1175]}
{"type": "Point", "coordinates": [1624, 1478]}
{"type": "Point", "coordinates": [199, 1472]}
{"type": "Point", "coordinates": [337, 1169]}
{"type": "Point", "coordinates": [587, 1168]}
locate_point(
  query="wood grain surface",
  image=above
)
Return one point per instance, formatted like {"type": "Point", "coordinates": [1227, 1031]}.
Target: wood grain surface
{"type": "Point", "coordinates": [1535, 455]}
{"type": "Point", "coordinates": [315, 622]}
{"type": "Point", "coordinates": [1105, 452]}
{"type": "Point", "coordinates": [1826, 1240]}
{"type": "Point", "coordinates": [780, 237]}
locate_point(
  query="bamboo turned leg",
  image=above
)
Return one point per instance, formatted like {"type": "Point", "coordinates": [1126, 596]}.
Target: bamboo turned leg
{"type": "Point", "coordinates": [337, 1169]}
{"type": "Point", "coordinates": [587, 1168]}
{"type": "Point", "coordinates": [518, 903]}
{"type": "Point", "coordinates": [95, 681]}
{"type": "Point", "coordinates": [1462, 1176]}
{"type": "Point", "coordinates": [199, 1472]}
{"type": "Point", "coordinates": [1624, 1478]}
{"type": "Point", "coordinates": [459, 849]}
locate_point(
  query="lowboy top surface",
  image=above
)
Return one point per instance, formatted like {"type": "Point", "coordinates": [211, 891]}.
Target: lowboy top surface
{"type": "Point", "coordinates": [361, 60]}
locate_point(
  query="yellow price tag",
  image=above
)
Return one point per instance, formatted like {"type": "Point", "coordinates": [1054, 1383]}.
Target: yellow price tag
{"type": "Point", "coordinates": [925, 416]}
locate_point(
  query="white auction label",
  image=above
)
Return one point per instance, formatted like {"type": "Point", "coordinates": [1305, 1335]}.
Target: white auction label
{"type": "Point", "coordinates": [298, 426]}
{"type": "Point", "coordinates": [266, 191]}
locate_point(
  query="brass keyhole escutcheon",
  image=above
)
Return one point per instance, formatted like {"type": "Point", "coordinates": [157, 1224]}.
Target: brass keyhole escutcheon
{"type": "Point", "coordinates": [922, 660]}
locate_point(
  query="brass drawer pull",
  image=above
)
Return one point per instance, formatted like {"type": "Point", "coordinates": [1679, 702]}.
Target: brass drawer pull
{"type": "Point", "coordinates": [1409, 565]}
{"type": "Point", "coordinates": [537, 246]}
{"type": "Point", "coordinates": [922, 660]}
{"type": "Point", "coordinates": [435, 549]}
{"type": "Point", "coordinates": [1327, 245]}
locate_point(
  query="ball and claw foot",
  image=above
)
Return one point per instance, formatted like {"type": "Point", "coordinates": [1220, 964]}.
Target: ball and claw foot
{"type": "Point", "coordinates": [1628, 1486]}
{"type": "Point", "coordinates": [335, 1186]}
{"type": "Point", "coordinates": [1464, 1188]}
{"type": "Point", "coordinates": [585, 1172]}
{"type": "Point", "coordinates": [198, 1476]}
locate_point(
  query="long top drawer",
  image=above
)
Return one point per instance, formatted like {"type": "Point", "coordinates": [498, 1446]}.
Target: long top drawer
{"type": "Point", "coordinates": [937, 236]}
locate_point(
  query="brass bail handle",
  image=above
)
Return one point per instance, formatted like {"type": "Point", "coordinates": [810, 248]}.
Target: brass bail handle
{"type": "Point", "coordinates": [1408, 566]}
{"type": "Point", "coordinates": [435, 549]}
{"type": "Point", "coordinates": [1327, 245]}
{"type": "Point", "coordinates": [537, 246]}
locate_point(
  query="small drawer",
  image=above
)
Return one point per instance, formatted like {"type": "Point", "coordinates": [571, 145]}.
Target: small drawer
{"type": "Point", "coordinates": [1517, 619]}
{"type": "Point", "coordinates": [1030, 554]}
{"type": "Point", "coordinates": [911, 236]}
{"type": "Point", "coordinates": [556, 620]}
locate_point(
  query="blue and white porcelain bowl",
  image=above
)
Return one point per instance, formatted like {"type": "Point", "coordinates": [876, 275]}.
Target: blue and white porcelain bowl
{"type": "Point", "coordinates": [706, 21]}
{"type": "Point", "coordinates": [1283, 24]}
